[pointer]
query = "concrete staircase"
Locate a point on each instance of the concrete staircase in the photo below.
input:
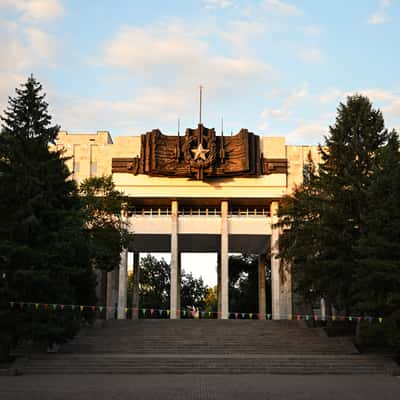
(206, 347)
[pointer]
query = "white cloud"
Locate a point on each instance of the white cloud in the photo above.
(178, 55)
(312, 29)
(297, 95)
(24, 50)
(240, 33)
(388, 101)
(218, 3)
(284, 112)
(35, 9)
(380, 95)
(380, 16)
(311, 56)
(308, 132)
(331, 95)
(43, 47)
(281, 7)
(393, 108)
(126, 115)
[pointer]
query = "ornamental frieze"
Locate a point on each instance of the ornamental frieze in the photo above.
(200, 154)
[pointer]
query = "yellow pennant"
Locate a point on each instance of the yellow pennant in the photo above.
(333, 317)
(81, 308)
(126, 309)
(168, 312)
(289, 317)
(380, 319)
(36, 306)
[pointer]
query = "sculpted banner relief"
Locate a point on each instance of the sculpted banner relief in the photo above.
(199, 154)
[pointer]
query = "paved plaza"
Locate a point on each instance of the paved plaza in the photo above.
(191, 387)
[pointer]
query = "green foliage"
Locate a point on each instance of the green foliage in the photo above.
(107, 232)
(302, 237)
(193, 292)
(154, 283)
(211, 300)
(243, 283)
(339, 235)
(43, 243)
(155, 286)
(377, 271)
(376, 334)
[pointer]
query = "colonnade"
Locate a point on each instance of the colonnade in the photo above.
(280, 279)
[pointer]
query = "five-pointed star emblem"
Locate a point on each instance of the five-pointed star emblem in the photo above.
(200, 152)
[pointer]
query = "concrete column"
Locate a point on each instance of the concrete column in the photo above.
(261, 286)
(115, 291)
(224, 261)
(109, 300)
(135, 285)
(275, 263)
(323, 309)
(174, 291)
(219, 299)
(112, 293)
(281, 284)
(123, 284)
(178, 289)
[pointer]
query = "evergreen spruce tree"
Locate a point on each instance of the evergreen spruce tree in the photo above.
(345, 176)
(327, 216)
(43, 246)
(376, 286)
(301, 241)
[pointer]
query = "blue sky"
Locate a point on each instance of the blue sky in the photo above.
(276, 67)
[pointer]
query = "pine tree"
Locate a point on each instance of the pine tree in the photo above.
(345, 176)
(326, 217)
(377, 275)
(43, 247)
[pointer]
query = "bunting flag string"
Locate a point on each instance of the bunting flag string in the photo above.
(155, 312)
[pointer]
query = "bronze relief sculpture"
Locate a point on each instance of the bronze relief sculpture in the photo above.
(200, 154)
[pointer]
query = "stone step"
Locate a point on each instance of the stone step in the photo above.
(205, 347)
(206, 364)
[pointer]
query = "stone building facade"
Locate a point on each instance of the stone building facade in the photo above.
(198, 192)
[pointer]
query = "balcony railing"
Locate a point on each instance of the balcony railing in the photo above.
(249, 212)
(149, 212)
(205, 212)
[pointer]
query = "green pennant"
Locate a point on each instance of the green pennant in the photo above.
(350, 318)
(54, 306)
(101, 308)
(143, 311)
(307, 317)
